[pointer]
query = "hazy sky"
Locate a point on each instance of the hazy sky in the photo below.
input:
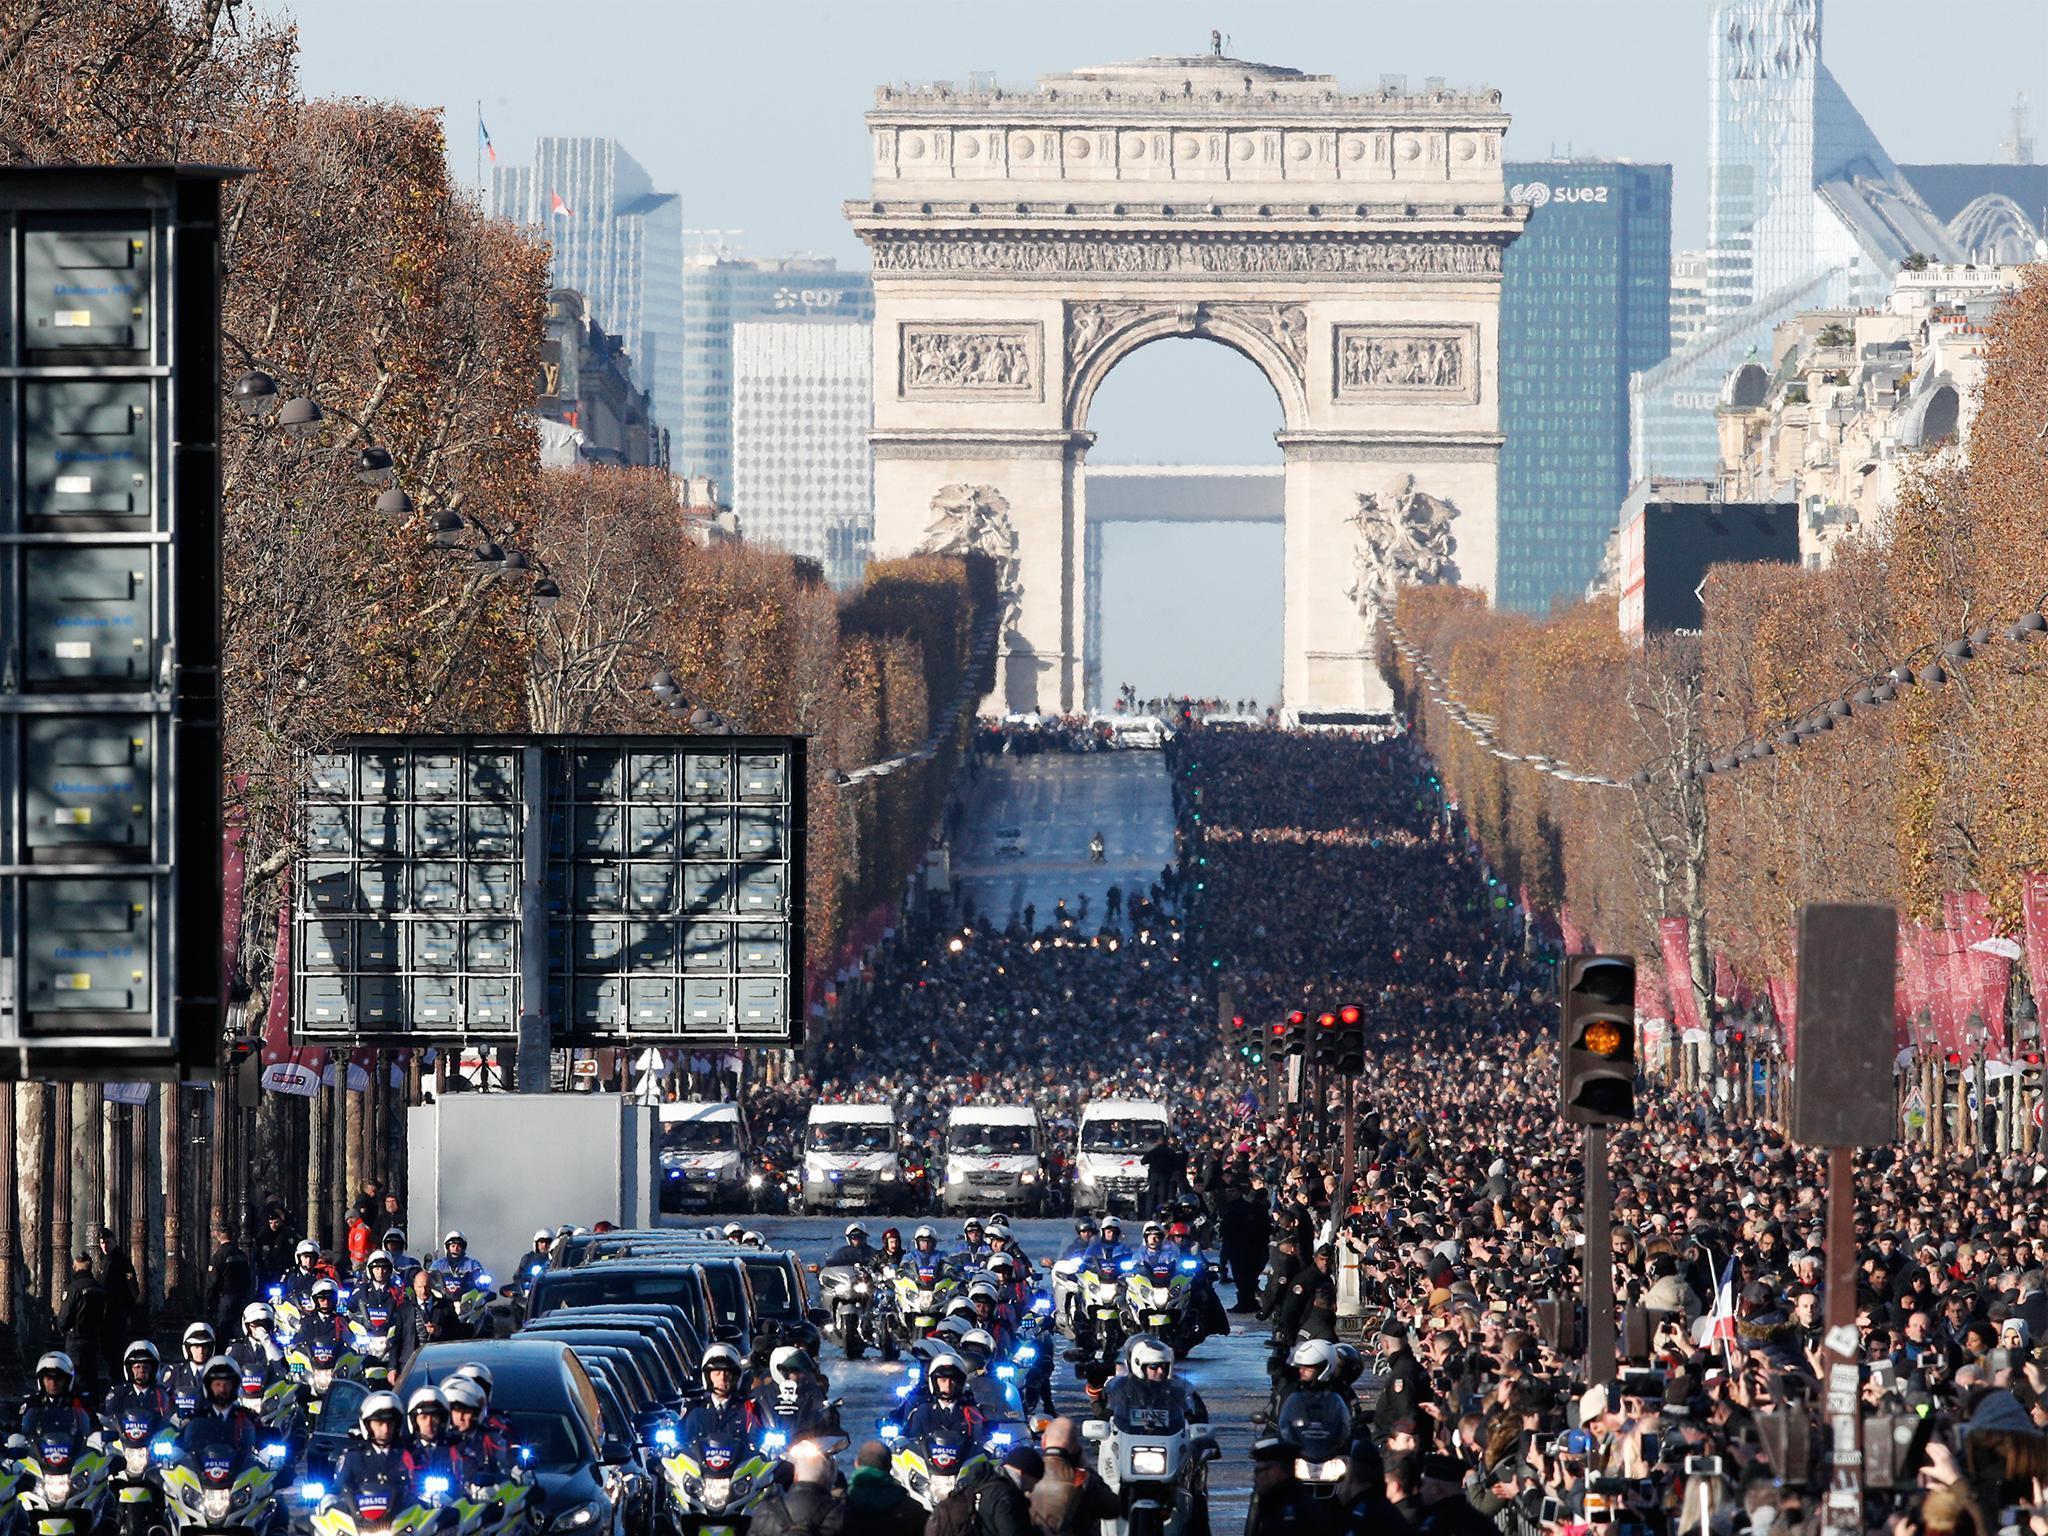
(751, 109)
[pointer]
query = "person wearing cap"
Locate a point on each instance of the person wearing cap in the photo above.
(1072, 1498)
(1308, 1310)
(1441, 1493)
(807, 1504)
(855, 1251)
(1405, 1392)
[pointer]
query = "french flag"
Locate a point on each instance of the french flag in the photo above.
(557, 207)
(1721, 1322)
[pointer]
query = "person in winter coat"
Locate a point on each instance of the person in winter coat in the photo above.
(876, 1504)
(807, 1505)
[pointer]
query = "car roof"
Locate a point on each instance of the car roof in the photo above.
(993, 1114)
(693, 1111)
(866, 1114)
(1129, 1108)
(620, 1334)
(524, 1373)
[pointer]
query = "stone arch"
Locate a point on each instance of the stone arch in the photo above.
(1272, 337)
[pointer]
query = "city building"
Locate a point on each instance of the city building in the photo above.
(1804, 210)
(802, 404)
(1688, 298)
(720, 290)
(1585, 302)
(614, 239)
(1671, 533)
(586, 386)
(1829, 420)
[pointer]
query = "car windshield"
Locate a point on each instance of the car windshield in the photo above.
(551, 1436)
(1120, 1135)
(772, 1295)
(851, 1136)
(726, 1297)
(1146, 1407)
(700, 1136)
(989, 1140)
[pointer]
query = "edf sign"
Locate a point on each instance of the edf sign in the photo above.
(110, 889)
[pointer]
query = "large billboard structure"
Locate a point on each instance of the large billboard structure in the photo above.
(110, 822)
(598, 890)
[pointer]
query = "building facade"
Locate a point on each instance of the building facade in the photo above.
(721, 291)
(586, 385)
(1688, 298)
(1585, 302)
(1847, 397)
(802, 470)
(1804, 210)
(615, 239)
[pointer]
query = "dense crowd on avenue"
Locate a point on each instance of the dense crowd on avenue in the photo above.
(1418, 1323)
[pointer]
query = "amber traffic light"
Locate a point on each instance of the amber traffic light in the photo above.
(1597, 1079)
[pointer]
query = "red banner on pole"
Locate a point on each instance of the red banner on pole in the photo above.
(1785, 1004)
(1576, 939)
(1675, 935)
(286, 1070)
(1987, 959)
(1939, 950)
(2034, 909)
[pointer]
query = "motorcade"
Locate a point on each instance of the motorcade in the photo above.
(1153, 1458)
(994, 1159)
(1111, 1143)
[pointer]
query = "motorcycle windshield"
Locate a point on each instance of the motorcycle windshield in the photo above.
(1147, 1407)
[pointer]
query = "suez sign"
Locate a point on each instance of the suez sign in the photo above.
(1539, 193)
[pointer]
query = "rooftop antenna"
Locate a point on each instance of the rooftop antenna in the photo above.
(2018, 147)
(713, 242)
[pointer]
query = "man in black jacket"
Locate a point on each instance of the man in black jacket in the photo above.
(230, 1284)
(807, 1505)
(1404, 1385)
(1245, 1232)
(83, 1322)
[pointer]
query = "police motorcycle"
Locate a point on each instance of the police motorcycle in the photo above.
(715, 1480)
(1151, 1454)
(219, 1489)
(463, 1284)
(389, 1506)
(930, 1454)
(62, 1482)
(924, 1284)
(373, 1332)
(318, 1359)
(1160, 1299)
(1098, 1321)
(854, 1297)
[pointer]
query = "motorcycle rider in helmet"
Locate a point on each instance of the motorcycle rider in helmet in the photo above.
(297, 1287)
(402, 1263)
(890, 1254)
(374, 1309)
(1001, 1240)
(722, 1413)
(855, 1250)
(220, 1419)
(182, 1379)
(1149, 1364)
(1108, 1248)
(535, 1263)
(924, 1245)
(140, 1390)
(487, 1459)
(455, 1271)
(54, 1406)
(973, 1247)
(376, 1453)
(1316, 1430)
(257, 1356)
(990, 1314)
(1085, 1237)
(944, 1405)
(790, 1400)
(430, 1451)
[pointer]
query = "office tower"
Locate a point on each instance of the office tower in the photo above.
(802, 471)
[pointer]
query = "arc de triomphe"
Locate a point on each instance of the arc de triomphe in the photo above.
(1349, 244)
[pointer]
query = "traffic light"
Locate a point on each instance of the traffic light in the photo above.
(1351, 1039)
(1295, 1033)
(1598, 1080)
(1326, 1039)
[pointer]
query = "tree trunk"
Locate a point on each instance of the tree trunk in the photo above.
(61, 1169)
(171, 1135)
(316, 1163)
(32, 1101)
(139, 1183)
(10, 1183)
(356, 1113)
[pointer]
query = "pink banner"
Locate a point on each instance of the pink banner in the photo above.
(286, 1070)
(1987, 965)
(1785, 1004)
(1918, 985)
(1576, 940)
(1939, 948)
(2034, 908)
(1675, 935)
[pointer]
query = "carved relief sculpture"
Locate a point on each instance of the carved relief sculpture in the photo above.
(1088, 324)
(1404, 538)
(972, 358)
(1376, 360)
(975, 519)
(1032, 255)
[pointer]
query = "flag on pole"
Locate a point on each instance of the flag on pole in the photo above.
(483, 139)
(1721, 1322)
(558, 207)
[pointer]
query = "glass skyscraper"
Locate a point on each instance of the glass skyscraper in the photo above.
(616, 241)
(718, 292)
(1804, 209)
(1585, 302)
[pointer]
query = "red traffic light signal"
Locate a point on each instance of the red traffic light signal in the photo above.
(1350, 1016)
(1326, 1021)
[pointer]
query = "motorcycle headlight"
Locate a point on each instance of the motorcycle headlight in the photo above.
(888, 1175)
(1330, 1471)
(1027, 1177)
(955, 1176)
(753, 1181)
(717, 1492)
(57, 1488)
(579, 1517)
(312, 1492)
(214, 1505)
(137, 1458)
(239, 1499)
(1148, 1460)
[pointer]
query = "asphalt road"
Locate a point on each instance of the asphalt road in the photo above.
(1057, 801)
(1230, 1373)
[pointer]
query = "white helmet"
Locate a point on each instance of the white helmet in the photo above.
(258, 1312)
(480, 1374)
(788, 1363)
(325, 1287)
(753, 1240)
(855, 1229)
(1316, 1353)
(924, 1232)
(978, 1345)
(721, 1354)
(425, 1399)
(1146, 1352)
(461, 1392)
(983, 1290)
(543, 1235)
(306, 1248)
(374, 1406)
(56, 1360)
(197, 1333)
(733, 1232)
(454, 1235)
(945, 1360)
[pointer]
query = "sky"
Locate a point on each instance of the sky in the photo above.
(751, 109)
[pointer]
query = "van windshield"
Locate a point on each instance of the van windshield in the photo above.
(700, 1136)
(1120, 1135)
(989, 1140)
(851, 1136)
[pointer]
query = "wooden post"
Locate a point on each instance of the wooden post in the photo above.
(217, 1164)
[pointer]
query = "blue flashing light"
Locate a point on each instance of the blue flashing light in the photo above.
(526, 1455)
(434, 1487)
(277, 1293)
(774, 1440)
(666, 1438)
(275, 1451)
(312, 1493)
(484, 1282)
(1042, 1306)
(888, 1431)
(1006, 1373)
(1026, 1353)
(999, 1441)
(163, 1447)
(1191, 1265)
(1128, 1265)
(906, 1389)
